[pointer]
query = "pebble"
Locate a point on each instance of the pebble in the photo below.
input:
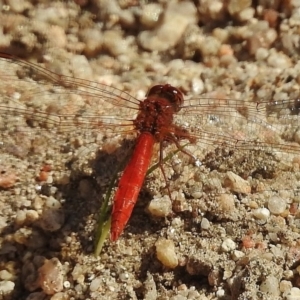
(225, 203)
(237, 6)
(150, 288)
(115, 43)
(95, 284)
(294, 294)
(262, 214)
(165, 252)
(279, 60)
(160, 207)
(205, 224)
(53, 216)
(150, 15)
(270, 286)
(50, 276)
(261, 54)
(51, 219)
(6, 287)
(5, 275)
(212, 10)
(236, 255)
(93, 41)
(220, 293)
(20, 217)
(8, 179)
(285, 286)
(228, 245)
(276, 205)
(236, 183)
(163, 37)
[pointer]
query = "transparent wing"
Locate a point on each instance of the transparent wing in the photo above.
(242, 125)
(58, 102)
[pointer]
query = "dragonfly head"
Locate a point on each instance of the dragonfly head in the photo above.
(167, 91)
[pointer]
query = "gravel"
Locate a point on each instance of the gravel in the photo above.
(232, 230)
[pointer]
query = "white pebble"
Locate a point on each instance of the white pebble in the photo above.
(67, 284)
(20, 217)
(204, 224)
(294, 294)
(165, 252)
(228, 245)
(261, 213)
(236, 255)
(52, 203)
(220, 293)
(160, 207)
(150, 14)
(270, 286)
(95, 284)
(6, 287)
(276, 205)
(285, 286)
(5, 275)
(261, 54)
(279, 60)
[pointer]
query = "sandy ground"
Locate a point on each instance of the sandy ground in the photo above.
(231, 230)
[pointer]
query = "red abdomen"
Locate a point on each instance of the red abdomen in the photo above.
(130, 184)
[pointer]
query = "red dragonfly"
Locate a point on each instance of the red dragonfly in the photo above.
(163, 116)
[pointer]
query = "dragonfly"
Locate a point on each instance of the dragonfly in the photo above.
(42, 99)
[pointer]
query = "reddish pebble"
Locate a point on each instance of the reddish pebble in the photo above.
(43, 176)
(51, 276)
(248, 242)
(294, 208)
(7, 180)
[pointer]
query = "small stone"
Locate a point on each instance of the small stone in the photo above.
(270, 286)
(205, 224)
(285, 286)
(150, 14)
(20, 217)
(279, 60)
(236, 6)
(7, 179)
(6, 287)
(294, 294)
(178, 15)
(52, 219)
(276, 205)
(95, 284)
(261, 54)
(150, 288)
(225, 203)
(262, 214)
(220, 293)
(165, 252)
(236, 255)
(160, 207)
(31, 216)
(50, 276)
(228, 245)
(5, 275)
(236, 183)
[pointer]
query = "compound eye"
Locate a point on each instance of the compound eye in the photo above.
(169, 92)
(155, 90)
